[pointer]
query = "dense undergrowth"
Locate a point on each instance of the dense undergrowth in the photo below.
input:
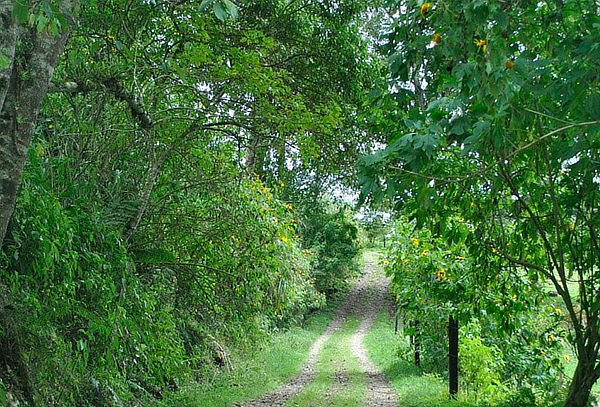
(511, 353)
(255, 370)
(89, 319)
(160, 226)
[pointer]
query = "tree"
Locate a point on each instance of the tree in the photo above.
(31, 42)
(140, 229)
(499, 122)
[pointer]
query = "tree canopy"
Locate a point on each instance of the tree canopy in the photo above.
(492, 114)
(168, 172)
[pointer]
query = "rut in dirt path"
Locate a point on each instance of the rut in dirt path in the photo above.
(379, 389)
(364, 301)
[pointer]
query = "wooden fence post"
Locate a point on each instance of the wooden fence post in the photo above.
(452, 356)
(417, 344)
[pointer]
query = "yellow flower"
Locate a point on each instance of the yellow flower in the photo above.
(482, 44)
(305, 251)
(550, 338)
(424, 253)
(264, 188)
(425, 8)
(289, 206)
(436, 38)
(441, 275)
(558, 311)
(386, 262)
(495, 251)
(281, 183)
(414, 241)
(460, 258)
(284, 239)
(566, 358)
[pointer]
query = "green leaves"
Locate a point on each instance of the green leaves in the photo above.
(502, 124)
(222, 9)
(4, 61)
(21, 11)
(479, 129)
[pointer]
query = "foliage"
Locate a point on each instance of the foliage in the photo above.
(91, 320)
(141, 250)
(374, 226)
(143, 247)
(330, 235)
(258, 370)
(79, 316)
(481, 365)
(433, 279)
(489, 118)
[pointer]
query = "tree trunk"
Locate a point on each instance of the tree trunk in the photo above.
(586, 374)
(23, 85)
(146, 192)
(452, 356)
(8, 42)
(255, 155)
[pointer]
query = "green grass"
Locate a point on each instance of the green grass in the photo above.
(414, 388)
(257, 372)
(335, 357)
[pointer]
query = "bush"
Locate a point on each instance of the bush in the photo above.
(330, 234)
(506, 345)
(481, 365)
(86, 319)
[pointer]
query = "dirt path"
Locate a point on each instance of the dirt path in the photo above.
(379, 390)
(364, 301)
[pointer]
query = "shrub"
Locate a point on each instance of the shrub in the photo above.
(329, 232)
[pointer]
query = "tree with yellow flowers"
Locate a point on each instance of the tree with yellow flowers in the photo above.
(500, 123)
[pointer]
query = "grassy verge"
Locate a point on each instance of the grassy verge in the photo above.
(335, 361)
(257, 372)
(414, 389)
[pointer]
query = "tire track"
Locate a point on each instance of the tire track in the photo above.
(365, 300)
(379, 390)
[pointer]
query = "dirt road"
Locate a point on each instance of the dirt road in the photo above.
(364, 301)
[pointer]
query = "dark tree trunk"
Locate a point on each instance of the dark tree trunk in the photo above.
(23, 85)
(255, 155)
(452, 356)
(586, 374)
(8, 42)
